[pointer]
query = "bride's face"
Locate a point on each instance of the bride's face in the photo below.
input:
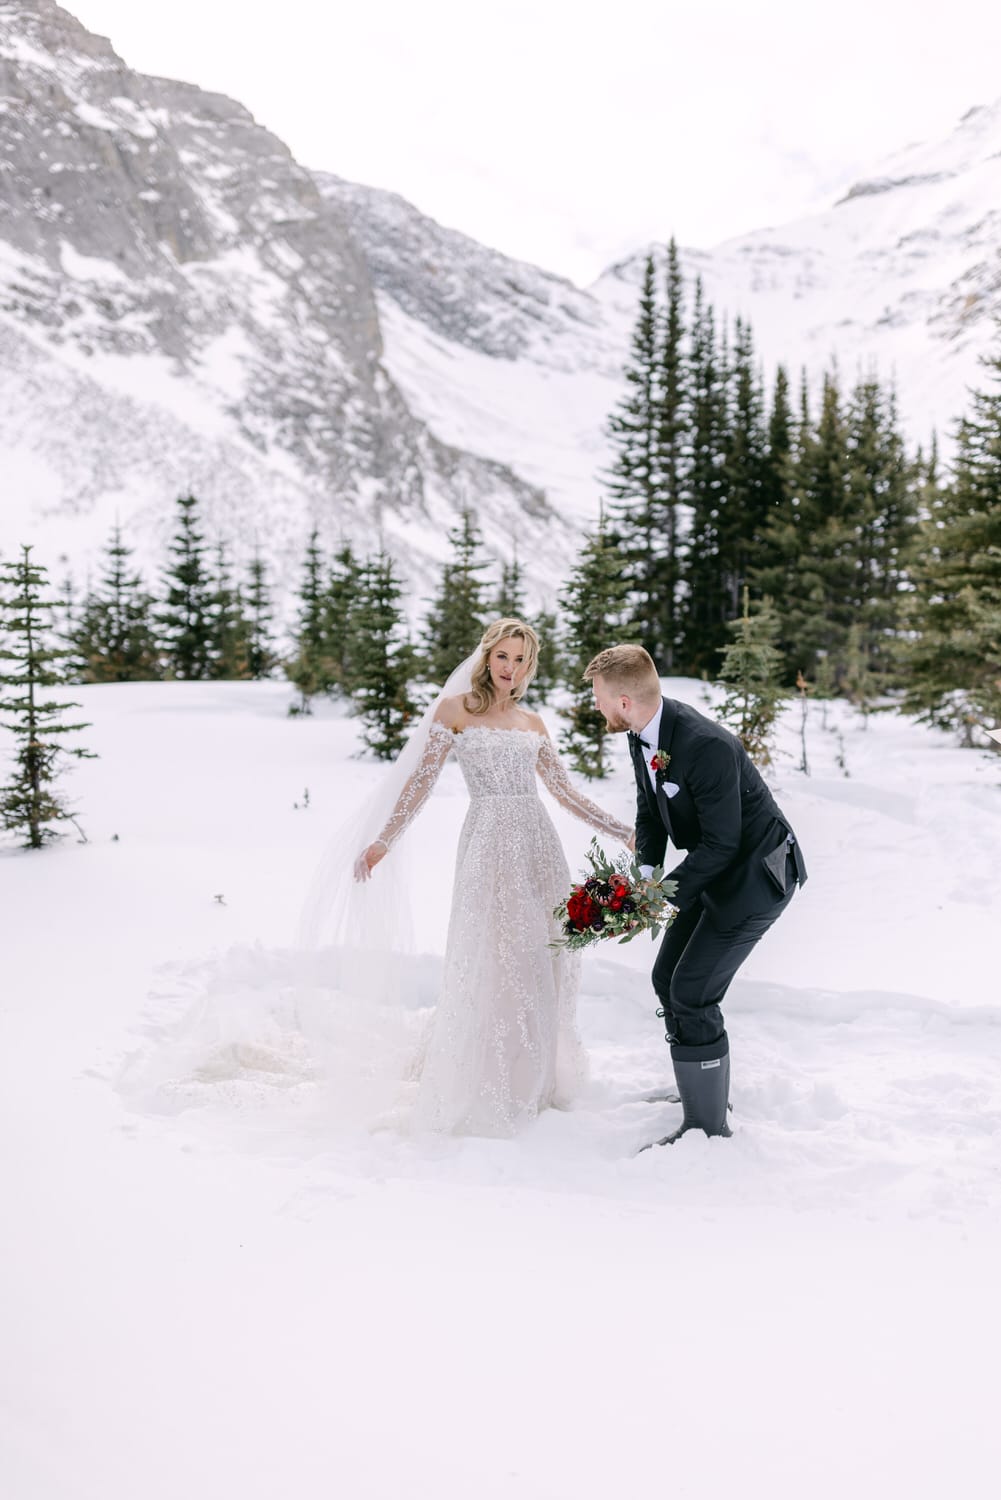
(508, 665)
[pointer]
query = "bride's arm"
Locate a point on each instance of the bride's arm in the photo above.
(410, 801)
(555, 778)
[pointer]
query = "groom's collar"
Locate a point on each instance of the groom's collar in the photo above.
(651, 732)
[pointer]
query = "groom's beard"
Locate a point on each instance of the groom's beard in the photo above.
(616, 723)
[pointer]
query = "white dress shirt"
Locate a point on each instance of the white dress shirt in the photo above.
(652, 735)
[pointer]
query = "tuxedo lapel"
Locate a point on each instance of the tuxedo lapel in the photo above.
(665, 739)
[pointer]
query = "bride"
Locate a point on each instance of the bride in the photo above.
(503, 1043)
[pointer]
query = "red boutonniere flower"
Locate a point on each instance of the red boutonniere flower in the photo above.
(659, 762)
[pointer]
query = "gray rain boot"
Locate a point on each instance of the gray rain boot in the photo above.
(703, 1078)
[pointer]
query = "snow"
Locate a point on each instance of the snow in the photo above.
(89, 267)
(228, 1285)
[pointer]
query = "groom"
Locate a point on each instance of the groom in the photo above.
(696, 785)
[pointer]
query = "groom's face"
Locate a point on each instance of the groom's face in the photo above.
(614, 706)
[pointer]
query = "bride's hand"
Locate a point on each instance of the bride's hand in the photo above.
(368, 859)
(631, 843)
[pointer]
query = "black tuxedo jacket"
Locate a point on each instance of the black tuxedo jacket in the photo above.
(722, 813)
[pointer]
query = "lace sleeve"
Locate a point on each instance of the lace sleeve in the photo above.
(555, 779)
(419, 786)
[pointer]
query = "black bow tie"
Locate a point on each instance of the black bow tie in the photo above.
(644, 743)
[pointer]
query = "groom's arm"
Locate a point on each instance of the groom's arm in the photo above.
(713, 782)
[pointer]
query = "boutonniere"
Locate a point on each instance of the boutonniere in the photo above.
(659, 762)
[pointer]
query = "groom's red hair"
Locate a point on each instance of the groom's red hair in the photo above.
(626, 669)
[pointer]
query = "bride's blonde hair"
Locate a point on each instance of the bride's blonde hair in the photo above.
(481, 694)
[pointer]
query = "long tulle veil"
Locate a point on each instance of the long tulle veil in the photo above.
(365, 928)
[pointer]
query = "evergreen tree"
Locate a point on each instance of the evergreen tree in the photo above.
(186, 619)
(114, 636)
(955, 658)
(881, 515)
(339, 625)
(385, 660)
(706, 602)
(312, 669)
(455, 619)
(672, 432)
(634, 480)
(744, 500)
(510, 601)
(752, 673)
(229, 628)
(593, 603)
(30, 803)
(262, 658)
(549, 671)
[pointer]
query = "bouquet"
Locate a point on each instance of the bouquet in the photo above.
(614, 901)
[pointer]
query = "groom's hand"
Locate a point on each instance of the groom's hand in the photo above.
(631, 842)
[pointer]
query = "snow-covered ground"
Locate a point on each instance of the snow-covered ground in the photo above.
(217, 1283)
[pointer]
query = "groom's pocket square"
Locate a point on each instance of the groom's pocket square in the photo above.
(670, 788)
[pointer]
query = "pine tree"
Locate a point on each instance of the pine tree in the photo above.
(706, 602)
(185, 621)
(955, 659)
(744, 500)
(752, 673)
(634, 480)
(311, 669)
(549, 670)
(593, 604)
(339, 625)
(229, 628)
(510, 600)
(672, 432)
(114, 636)
(881, 514)
(385, 660)
(262, 657)
(30, 803)
(455, 619)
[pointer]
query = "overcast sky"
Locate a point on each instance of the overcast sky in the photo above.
(568, 132)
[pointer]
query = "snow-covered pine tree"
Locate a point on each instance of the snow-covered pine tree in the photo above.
(751, 672)
(30, 802)
(455, 619)
(311, 668)
(384, 659)
(262, 657)
(954, 661)
(114, 636)
(229, 628)
(185, 619)
(593, 601)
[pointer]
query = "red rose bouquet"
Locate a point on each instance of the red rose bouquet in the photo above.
(614, 901)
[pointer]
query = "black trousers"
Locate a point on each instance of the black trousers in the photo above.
(695, 965)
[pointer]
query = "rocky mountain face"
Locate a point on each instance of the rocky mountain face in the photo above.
(181, 307)
(185, 307)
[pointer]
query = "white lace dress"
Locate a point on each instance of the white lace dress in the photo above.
(503, 1043)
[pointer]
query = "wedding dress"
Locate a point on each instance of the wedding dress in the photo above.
(503, 1043)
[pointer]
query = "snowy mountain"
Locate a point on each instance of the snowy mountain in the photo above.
(184, 306)
(903, 273)
(181, 308)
